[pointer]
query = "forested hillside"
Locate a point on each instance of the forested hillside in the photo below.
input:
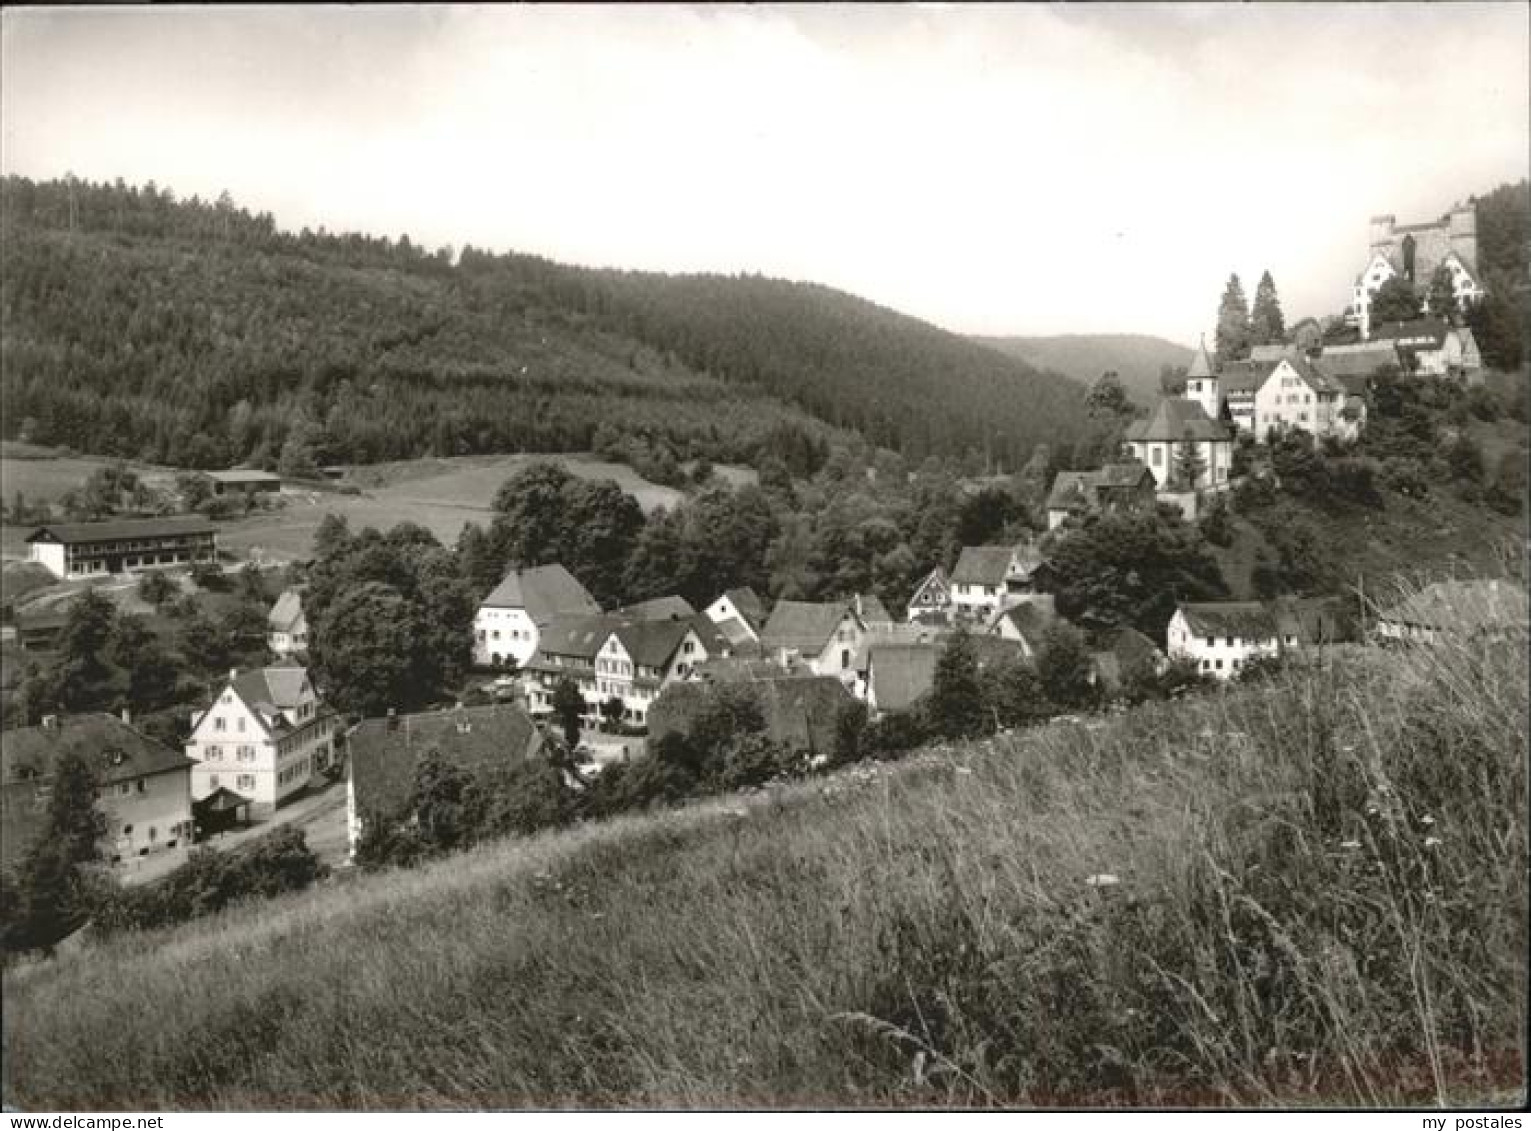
(197, 334)
(1136, 358)
(1504, 261)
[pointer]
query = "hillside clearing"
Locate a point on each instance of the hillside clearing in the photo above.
(1308, 892)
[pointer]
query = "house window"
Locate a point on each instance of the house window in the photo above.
(1229, 641)
(127, 830)
(240, 724)
(212, 781)
(124, 788)
(214, 753)
(1158, 454)
(1218, 664)
(245, 781)
(141, 785)
(220, 723)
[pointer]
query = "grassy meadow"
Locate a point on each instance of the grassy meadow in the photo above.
(1311, 891)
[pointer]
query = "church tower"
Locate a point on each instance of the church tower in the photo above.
(1201, 384)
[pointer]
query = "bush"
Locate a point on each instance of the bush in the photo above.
(898, 733)
(209, 576)
(1408, 477)
(1216, 522)
(753, 760)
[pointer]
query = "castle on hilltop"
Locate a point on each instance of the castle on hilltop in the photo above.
(1414, 252)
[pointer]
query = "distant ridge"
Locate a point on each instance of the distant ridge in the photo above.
(1137, 358)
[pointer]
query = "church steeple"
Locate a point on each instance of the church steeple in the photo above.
(1201, 384)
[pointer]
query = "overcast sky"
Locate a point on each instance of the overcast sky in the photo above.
(993, 169)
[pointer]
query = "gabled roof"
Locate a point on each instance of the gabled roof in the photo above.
(122, 528)
(803, 625)
(870, 608)
(900, 673)
(1463, 606)
(651, 644)
(1129, 473)
(1030, 619)
(1359, 359)
(384, 752)
(1077, 490)
(1249, 620)
(982, 565)
(1246, 376)
(745, 601)
(580, 637)
(736, 633)
(545, 592)
(1129, 646)
(935, 579)
(287, 612)
(1071, 491)
(1175, 418)
(1315, 378)
(660, 608)
(913, 632)
(748, 669)
(280, 686)
(116, 750)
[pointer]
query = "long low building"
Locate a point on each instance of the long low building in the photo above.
(72, 550)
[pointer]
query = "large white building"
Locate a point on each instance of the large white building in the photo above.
(264, 737)
(825, 636)
(1296, 394)
(1178, 423)
(1222, 636)
(73, 550)
(509, 622)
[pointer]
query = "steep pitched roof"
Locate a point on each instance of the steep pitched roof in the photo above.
(1244, 377)
(385, 752)
(287, 612)
(913, 632)
(1317, 380)
(651, 644)
(121, 528)
(1030, 619)
(280, 686)
(1360, 359)
(1201, 362)
(1071, 491)
(580, 637)
(736, 633)
(870, 608)
(1174, 418)
(660, 608)
(545, 592)
(1129, 646)
(900, 673)
(982, 565)
(1249, 620)
(113, 748)
(803, 625)
(1463, 606)
(746, 602)
(1129, 473)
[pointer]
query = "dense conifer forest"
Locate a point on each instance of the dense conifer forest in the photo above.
(197, 334)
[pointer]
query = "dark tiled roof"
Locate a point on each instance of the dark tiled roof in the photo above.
(1130, 473)
(115, 749)
(736, 633)
(745, 600)
(1245, 376)
(1249, 620)
(281, 686)
(651, 644)
(384, 753)
(1031, 619)
(660, 608)
(982, 565)
(1360, 360)
(871, 609)
(900, 673)
(121, 529)
(804, 625)
(747, 669)
(545, 592)
(579, 636)
(1318, 380)
(1077, 490)
(1173, 418)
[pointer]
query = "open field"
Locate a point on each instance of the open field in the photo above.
(1310, 892)
(440, 494)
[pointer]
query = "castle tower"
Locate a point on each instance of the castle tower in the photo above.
(1201, 384)
(1381, 232)
(1462, 228)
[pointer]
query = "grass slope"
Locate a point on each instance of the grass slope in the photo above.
(1320, 898)
(1136, 358)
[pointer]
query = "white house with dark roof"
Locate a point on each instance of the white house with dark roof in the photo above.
(738, 616)
(264, 737)
(609, 657)
(1433, 347)
(509, 622)
(931, 601)
(143, 786)
(824, 635)
(71, 550)
(1222, 636)
(1179, 421)
(987, 578)
(287, 627)
(1296, 394)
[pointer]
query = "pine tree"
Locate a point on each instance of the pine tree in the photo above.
(1189, 464)
(1443, 294)
(1266, 324)
(956, 699)
(52, 892)
(1232, 323)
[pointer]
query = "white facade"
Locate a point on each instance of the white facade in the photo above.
(1288, 400)
(1159, 456)
(723, 609)
(503, 634)
(838, 655)
(977, 602)
(1205, 392)
(1379, 271)
(263, 757)
(1218, 656)
(146, 814)
(51, 556)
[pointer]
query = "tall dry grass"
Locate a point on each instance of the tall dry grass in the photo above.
(1319, 896)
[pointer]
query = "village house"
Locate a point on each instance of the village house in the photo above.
(659, 608)
(243, 481)
(72, 550)
(609, 657)
(1124, 653)
(263, 738)
(988, 578)
(1178, 422)
(738, 615)
(873, 613)
(1222, 636)
(143, 787)
(825, 636)
(1025, 624)
(1239, 381)
(879, 636)
(509, 622)
(1457, 610)
(1434, 347)
(899, 675)
(386, 752)
(1114, 487)
(932, 599)
(287, 627)
(1297, 395)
